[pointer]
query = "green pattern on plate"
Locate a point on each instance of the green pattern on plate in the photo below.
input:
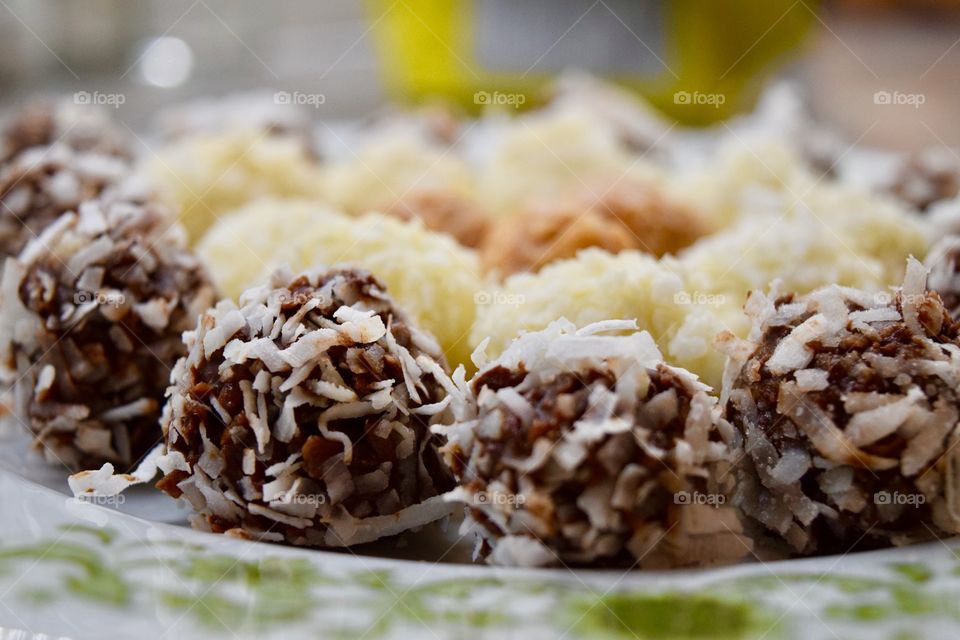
(226, 593)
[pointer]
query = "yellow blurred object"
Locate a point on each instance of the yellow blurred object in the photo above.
(698, 60)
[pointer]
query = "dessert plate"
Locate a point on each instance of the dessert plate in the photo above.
(131, 567)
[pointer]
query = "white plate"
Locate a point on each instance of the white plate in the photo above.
(135, 570)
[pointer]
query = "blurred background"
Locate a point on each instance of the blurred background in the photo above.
(893, 63)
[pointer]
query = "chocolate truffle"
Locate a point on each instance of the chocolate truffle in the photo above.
(41, 183)
(90, 324)
(80, 127)
(303, 415)
(589, 449)
(927, 177)
(846, 402)
(944, 264)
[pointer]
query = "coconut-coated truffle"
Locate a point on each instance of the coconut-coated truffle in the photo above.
(90, 323)
(82, 128)
(583, 448)
(846, 402)
(944, 264)
(41, 183)
(303, 415)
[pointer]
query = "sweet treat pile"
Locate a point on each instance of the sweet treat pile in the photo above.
(589, 449)
(847, 404)
(90, 324)
(303, 415)
(320, 411)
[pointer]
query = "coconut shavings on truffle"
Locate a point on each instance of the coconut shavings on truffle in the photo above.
(303, 415)
(847, 405)
(589, 449)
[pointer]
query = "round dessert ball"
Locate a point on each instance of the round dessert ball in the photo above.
(927, 177)
(79, 127)
(41, 183)
(90, 324)
(446, 212)
(846, 402)
(629, 214)
(944, 264)
(589, 449)
(304, 415)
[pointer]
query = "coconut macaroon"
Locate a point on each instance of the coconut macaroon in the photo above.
(627, 214)
(90, 327)
(434, 278)
(597, 285)
(445, 212)
(589, 449)
(403, 174)
(303, 415)
(205, 176)
(847, 404)
(43, 182)
(271, 112)
(550, 153)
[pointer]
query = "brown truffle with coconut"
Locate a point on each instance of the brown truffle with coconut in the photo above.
(585, 448)
(943, 261)
(303, 415)
(80, 127)
(42, 183)
(847, 404)
(90, 323)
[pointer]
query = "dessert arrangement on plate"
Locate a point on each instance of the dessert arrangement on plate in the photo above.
(585, 336)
